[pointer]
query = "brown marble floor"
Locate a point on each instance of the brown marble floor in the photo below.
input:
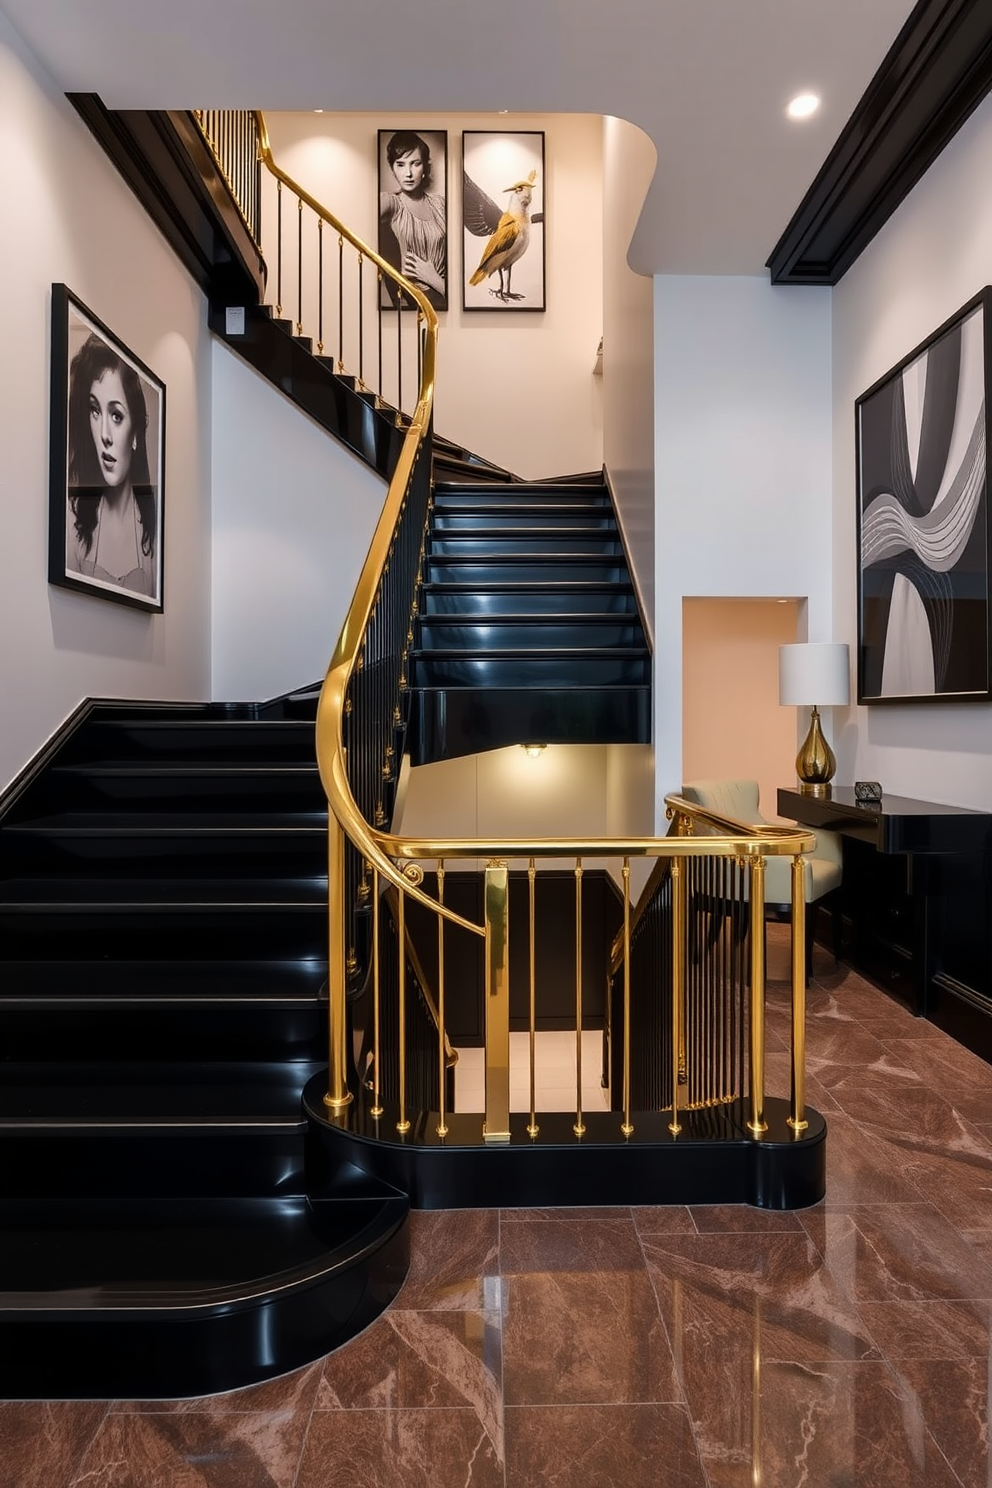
(689, 1348)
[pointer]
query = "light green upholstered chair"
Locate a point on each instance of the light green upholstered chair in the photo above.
(739, 799)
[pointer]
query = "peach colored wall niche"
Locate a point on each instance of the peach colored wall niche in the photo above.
(732, 722)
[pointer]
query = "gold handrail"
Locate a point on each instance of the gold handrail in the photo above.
(394, 858)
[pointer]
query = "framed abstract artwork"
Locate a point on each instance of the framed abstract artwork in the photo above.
(923, 520)
(107, 462)
(503, 221)
(413, 212)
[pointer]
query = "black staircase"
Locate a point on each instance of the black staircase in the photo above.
(163, 913)
(529, 628)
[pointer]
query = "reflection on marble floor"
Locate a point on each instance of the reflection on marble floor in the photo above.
(689, 1348)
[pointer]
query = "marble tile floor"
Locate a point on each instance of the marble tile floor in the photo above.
(844, 1346)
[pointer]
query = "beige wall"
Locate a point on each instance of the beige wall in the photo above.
(516, 388)
(503, 793)
(733, 725)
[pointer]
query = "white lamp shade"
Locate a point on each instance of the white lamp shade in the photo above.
(814, 674)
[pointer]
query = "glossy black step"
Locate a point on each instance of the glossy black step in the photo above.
(148, 843)
(219, 786)
(534, 515)
(449, 722)
(448, 495)
(137, 917)
(561, 545)
(116, 1299)
(483, 571)
(191, 740)
(530, 597)
(483, 632)
(531, 668)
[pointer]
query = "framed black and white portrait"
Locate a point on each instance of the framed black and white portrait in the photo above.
(923, 523)
(503, 221)
(413, 212)
(107, 463)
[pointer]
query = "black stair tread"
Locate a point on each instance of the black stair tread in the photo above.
(528, 653)
(514, 490)
(479, 508)
(93, 1255)
(168, 770)
(135, 1093)
(525, 533)
(173, 823)
(62, 894)
(199, 982)
(590, 618)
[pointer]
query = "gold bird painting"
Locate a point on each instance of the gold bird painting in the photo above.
(509, 232)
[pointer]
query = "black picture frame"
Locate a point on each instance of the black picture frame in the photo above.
(503, 191)
(923, 521)
(94, 429)
(413, 222)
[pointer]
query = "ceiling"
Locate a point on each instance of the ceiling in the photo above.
(708, 81)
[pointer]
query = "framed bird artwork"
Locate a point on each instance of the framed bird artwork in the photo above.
(503, 181)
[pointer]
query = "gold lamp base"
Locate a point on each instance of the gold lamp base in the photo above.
(815, 762)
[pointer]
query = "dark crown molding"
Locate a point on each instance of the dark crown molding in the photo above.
(934, 76)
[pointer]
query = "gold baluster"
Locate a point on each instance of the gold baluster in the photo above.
(627, 1125)
(496, 1127)
(797, 1104)
(403, 1124)
(377, 1106)
(678, 985)
(532, 1128)
(338, 1095)
(757, 1123)
(579, 1126)
(442, 1127)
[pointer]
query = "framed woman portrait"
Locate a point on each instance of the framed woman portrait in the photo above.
(107, 462)
(413, 213)
(503, 182)
(923, 520)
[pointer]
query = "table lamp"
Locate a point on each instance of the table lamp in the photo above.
(812, 675)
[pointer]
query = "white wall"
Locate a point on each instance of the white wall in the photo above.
(629, 160)
(742, 464)
(932, 256)
(516, 388)
(68, 217)
(293, 515)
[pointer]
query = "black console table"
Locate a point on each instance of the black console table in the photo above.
(914, 900)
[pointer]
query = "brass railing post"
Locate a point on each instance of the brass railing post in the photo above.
(338, 1095)
(578, 1126)
(756, 1122)
(797, 1104)
(532, 1126)
(496, 1127)
(678, 986)
(626, 1126)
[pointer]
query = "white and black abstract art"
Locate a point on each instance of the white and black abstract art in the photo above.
(923, 528)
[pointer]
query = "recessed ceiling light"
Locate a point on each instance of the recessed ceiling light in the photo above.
(803, 105)
(318, 111)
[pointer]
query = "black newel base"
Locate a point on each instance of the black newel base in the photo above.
(714, 1159)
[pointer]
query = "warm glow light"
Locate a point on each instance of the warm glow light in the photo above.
(803, 105)
(533, 751)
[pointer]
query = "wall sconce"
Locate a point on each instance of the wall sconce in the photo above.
(533, 751)
(809, 675)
